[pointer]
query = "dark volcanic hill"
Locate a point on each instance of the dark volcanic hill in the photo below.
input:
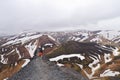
(93, 60)
(39, 69)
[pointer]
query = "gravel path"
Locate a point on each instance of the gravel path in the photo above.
(39, 69)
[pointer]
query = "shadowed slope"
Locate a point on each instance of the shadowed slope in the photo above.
(86, 49)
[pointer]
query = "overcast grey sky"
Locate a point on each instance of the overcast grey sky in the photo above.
(52, 15)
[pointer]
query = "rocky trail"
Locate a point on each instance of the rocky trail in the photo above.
(39, 69)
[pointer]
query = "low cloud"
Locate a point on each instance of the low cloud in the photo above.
(49, 15)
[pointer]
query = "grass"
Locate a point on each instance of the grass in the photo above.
(7, 71)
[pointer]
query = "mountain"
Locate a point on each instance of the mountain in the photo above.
(99, 36)
(95, 61)
(40, 69)
(17, 51)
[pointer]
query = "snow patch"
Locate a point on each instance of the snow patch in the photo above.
(109, 73)
(48, 44)
(107, 58)
(22, 40)
(4, 61)
(85, 36)
(11, 51)
(31, 48)
(18, 53)
(26, 62)
(2, 49)
(81, 66)
(16, 64)
(96, 39)
(67, 56)
(51, 37)
(115, 52)
(60, 65)
(96, 61)
(5, 79)
(76, 39)
(109, 34)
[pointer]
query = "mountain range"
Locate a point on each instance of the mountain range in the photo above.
(94, 54)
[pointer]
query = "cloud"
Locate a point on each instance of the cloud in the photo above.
(48, 15)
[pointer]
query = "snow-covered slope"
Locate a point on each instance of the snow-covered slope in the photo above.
(99, 36)
(109, 34)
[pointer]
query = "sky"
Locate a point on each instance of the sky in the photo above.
(58, 15)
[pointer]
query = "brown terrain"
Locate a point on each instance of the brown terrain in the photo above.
(15, 55)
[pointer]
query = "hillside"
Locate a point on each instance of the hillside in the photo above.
(17, 51)
(92, 60)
